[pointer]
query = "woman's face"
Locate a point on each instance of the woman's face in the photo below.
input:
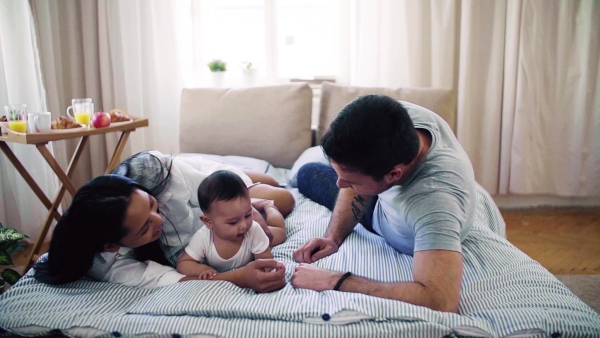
(142, 220)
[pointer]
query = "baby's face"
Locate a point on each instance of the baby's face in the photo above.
(231, 220)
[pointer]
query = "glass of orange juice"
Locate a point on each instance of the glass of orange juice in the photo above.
(17, 118)
(82, 110)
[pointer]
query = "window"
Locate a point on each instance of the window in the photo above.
(283, 39)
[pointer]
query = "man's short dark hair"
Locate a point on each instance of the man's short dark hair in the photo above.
(371, 135)
(222, 185)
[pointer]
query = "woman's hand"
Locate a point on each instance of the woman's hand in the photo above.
(315, 249)
(262, 275)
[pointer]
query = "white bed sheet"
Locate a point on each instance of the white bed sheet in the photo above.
(505, 294)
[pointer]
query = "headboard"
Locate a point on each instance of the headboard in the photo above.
(272, 123)
(334, 97)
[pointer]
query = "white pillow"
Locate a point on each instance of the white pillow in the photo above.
(313, 154)
(246, 164)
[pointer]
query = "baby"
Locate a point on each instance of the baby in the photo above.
(230, 238)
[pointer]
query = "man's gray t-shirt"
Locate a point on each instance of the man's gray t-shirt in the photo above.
(434, 208)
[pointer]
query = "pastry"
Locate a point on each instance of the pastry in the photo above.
(117, 116)
(64, 122)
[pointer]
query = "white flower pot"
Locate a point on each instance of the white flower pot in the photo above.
(218, 79)
(250, 76)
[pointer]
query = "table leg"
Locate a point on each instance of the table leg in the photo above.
(64, 177)
(30, 181)
(66, 181)
(114, 161)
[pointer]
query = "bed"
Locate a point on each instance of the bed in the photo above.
(505, 293)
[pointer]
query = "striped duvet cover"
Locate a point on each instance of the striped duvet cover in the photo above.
(505, 294)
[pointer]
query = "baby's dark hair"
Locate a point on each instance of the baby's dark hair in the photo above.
(222, 185)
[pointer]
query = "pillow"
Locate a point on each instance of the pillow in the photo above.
(272, 123)
(334, 97)
(246, 164)
(242, 162)
(313, 154)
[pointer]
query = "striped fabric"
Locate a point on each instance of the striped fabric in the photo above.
(505, 293)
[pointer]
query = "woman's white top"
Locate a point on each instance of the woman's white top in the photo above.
(179, 203)
(120, 267)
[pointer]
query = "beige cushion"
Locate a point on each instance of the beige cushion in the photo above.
(271, 123)
(334, 97)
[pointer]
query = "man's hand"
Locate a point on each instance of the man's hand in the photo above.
(263, 275)
(315, 249)
(308, 276)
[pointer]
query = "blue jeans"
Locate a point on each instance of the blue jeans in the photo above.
(317, 181)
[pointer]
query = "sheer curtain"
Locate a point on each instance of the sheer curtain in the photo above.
(72, 50)
(525, 74)
(144, 41)
(21, 82)
(122, 54)
(555, 132)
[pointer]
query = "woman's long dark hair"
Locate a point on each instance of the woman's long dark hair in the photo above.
(96, 217)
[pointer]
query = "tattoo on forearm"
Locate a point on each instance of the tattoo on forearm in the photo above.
(358, 207)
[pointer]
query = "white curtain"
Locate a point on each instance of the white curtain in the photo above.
(21, 82)
(555, 134)
(144, 40)
(526, 75)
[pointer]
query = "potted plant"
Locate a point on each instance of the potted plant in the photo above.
(218, 69)
(249, 73)
(10, 242)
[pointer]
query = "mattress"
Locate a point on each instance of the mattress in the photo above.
(505, 294)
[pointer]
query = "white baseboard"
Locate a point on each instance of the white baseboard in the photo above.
(524, 202)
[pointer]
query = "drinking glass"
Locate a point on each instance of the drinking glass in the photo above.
(82, 110)
(17, 118)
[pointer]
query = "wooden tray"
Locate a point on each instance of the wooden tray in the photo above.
(61, 134)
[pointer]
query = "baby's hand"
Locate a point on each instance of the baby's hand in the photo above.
(207, 274)
(275, 269)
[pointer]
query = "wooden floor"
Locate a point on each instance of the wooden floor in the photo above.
(564, 241)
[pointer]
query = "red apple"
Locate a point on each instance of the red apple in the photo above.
(101, 119)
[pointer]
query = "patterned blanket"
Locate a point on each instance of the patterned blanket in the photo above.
(505, 293)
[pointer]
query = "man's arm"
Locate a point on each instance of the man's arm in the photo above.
(349, 208)
(437, 279)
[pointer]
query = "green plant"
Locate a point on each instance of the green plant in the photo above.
(217, 66)
(247, 65)
(10, 242)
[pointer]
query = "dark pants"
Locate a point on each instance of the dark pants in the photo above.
(317, 181)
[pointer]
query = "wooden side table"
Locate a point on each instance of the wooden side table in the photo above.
(40, 141)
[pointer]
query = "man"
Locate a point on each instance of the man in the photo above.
(401, 172)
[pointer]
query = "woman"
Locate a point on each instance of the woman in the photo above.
(130, 227)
